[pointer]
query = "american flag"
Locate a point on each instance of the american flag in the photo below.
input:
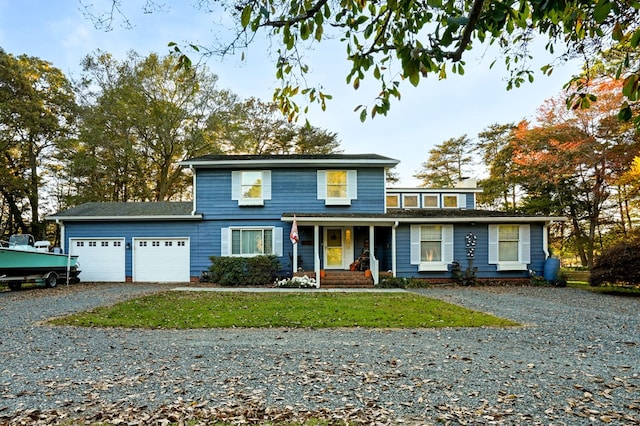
(293, 236)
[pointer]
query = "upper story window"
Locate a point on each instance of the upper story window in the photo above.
(450, 201)
(510, 247)
(251, 241)
(251, 187)
(393, 201)
(337, 187)
(432, 247)
(430, 201)
(410, 201)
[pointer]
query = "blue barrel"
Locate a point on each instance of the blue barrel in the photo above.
(551, 268)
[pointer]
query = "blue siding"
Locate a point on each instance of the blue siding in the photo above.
(292, 190)
(130, 230)
(481, 258)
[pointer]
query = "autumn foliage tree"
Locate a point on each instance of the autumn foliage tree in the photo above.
(571, 163)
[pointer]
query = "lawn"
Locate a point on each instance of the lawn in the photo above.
(611, 290)
(199, 310)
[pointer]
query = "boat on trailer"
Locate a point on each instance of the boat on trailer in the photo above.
(22, 259)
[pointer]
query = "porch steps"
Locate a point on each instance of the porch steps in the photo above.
(346, 279)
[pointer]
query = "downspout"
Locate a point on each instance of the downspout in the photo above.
(62, 235)
(393, 248)
(545, 238)
(194, 192)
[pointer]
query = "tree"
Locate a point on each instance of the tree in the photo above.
(446, 163)
(37, 112)
(140, 117)
(403, 40)
(570, 163)
(500, 188)
(257, 127)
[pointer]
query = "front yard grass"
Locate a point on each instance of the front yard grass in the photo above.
(200, 310)
(611, 290)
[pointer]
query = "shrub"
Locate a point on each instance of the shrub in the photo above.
(227, 271)
(402, 282)
(234, 271)
(261, 269)
(619, 264)
(466, 277)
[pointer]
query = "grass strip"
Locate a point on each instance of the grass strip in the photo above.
(610, 290)
(200, 310)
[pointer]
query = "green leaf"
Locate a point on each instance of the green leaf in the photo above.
(625, 113)
(414, 78)
(246, 16)
(635, 38)
(363, 115)
(601, 11)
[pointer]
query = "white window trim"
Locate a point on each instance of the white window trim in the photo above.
(447, 250)
(424, 205)
(225, 240)
(352, 189)
(524, 249)
(236, 188)
(417, 206)
(459, 201)
(397, 197)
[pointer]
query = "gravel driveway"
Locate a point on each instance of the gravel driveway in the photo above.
(576, 361)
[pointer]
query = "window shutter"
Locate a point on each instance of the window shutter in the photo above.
(225, 249)
(277, 241)
(415, 244)
(266, 184)
(447, 244)
(322, 184)
(235, 185)
(352, 184)
(462, 201)
(493, 244)
(524, 242)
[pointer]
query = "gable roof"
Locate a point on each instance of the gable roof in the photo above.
(161, 210)
(291, 160)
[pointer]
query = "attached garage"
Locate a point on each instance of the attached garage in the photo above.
(101, 259)
(161, 259)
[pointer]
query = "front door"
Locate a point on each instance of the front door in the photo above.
(334, 249)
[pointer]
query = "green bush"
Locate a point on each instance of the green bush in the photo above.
(227, 271)
(619, 264)
(237, 271)
(260, 270)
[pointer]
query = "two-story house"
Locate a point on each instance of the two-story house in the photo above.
(246, 205)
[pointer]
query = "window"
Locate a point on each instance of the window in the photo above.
(410, 201)
(430, 201)
(432, 247)
(509, 247)
(337, 187)
(450, 201)
(251, 241)
(393, 201)
(251, 187)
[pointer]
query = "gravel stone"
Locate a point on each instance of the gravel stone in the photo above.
(575, 360)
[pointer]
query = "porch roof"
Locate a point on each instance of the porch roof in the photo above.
(420, 216)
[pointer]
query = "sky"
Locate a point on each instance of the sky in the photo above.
(58, 31)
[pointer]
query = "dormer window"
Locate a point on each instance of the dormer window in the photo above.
(337, 187)
(251, 187)
(430, 201)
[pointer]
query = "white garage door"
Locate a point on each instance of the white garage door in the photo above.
(161, 259)
(101, 259)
